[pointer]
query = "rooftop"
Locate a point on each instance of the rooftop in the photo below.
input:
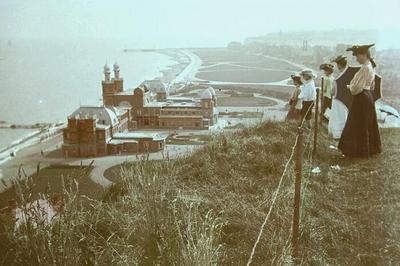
(104, 115)
(138, 135)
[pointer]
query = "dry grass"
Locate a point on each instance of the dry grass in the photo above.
(207, 208)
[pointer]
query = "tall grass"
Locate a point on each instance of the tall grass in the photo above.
(206, 209)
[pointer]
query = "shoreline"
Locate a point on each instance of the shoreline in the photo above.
(8, 152)
(34, 139)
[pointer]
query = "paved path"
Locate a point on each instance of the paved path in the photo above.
(101, 164)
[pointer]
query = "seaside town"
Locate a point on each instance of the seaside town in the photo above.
(270, 149)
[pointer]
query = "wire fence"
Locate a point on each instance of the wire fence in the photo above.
(310, 151)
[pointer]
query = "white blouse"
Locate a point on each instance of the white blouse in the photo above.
(363, 79)
(308, 92)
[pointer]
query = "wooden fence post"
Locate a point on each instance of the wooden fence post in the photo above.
(323, 107)
(316, 123)
(297, 192)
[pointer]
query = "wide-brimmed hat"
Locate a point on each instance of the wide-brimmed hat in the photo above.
(326, 67)
(308, 72)
(339, 58)
(296, 77)
(359, 49)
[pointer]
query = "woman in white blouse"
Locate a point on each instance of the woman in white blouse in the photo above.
(360, 136)
(307, 96)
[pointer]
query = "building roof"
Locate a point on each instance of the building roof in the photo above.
(211, 89)
(121, 141)
(138, 135)
(180, 99)
(179, 116)
(206, 94)
(155, 85)
(104, 115)
(181, 104)
(103, 127)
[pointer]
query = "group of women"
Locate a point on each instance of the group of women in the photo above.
(358, 129)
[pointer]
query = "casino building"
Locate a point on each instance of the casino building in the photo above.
(110, 129)
(151, 106)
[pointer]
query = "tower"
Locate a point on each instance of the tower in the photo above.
(107, 86)
(214, 98)
(116, 70)
(207, 104)
(107, 73)
(118, 81)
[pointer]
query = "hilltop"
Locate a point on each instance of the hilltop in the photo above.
(207, 208)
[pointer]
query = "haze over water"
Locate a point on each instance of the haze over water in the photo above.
(44, 82)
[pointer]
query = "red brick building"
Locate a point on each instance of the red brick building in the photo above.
(153, 107)
(99, 131)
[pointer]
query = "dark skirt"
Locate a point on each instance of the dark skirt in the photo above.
(306, 111)
(360, 136)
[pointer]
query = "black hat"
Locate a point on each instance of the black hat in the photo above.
(326, 67)
(358, 49)
(339, 59)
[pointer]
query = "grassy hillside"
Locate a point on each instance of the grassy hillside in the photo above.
(207, 209)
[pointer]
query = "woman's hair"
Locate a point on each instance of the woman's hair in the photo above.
(342, 62)
(368, 54)
(371, 59)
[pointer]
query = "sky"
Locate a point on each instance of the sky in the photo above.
(189, 23)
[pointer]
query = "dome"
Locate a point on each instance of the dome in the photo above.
(156, 86)
(106, 68)
(211, 89)
(116, 66)
(104, 115)
(206, 94)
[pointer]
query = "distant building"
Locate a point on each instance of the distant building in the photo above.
(151, 106)
(99, 131)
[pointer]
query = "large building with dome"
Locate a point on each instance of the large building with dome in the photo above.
(111, 128)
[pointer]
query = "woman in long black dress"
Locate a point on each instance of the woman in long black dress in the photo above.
(360, 137)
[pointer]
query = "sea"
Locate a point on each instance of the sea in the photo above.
(42, 81)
